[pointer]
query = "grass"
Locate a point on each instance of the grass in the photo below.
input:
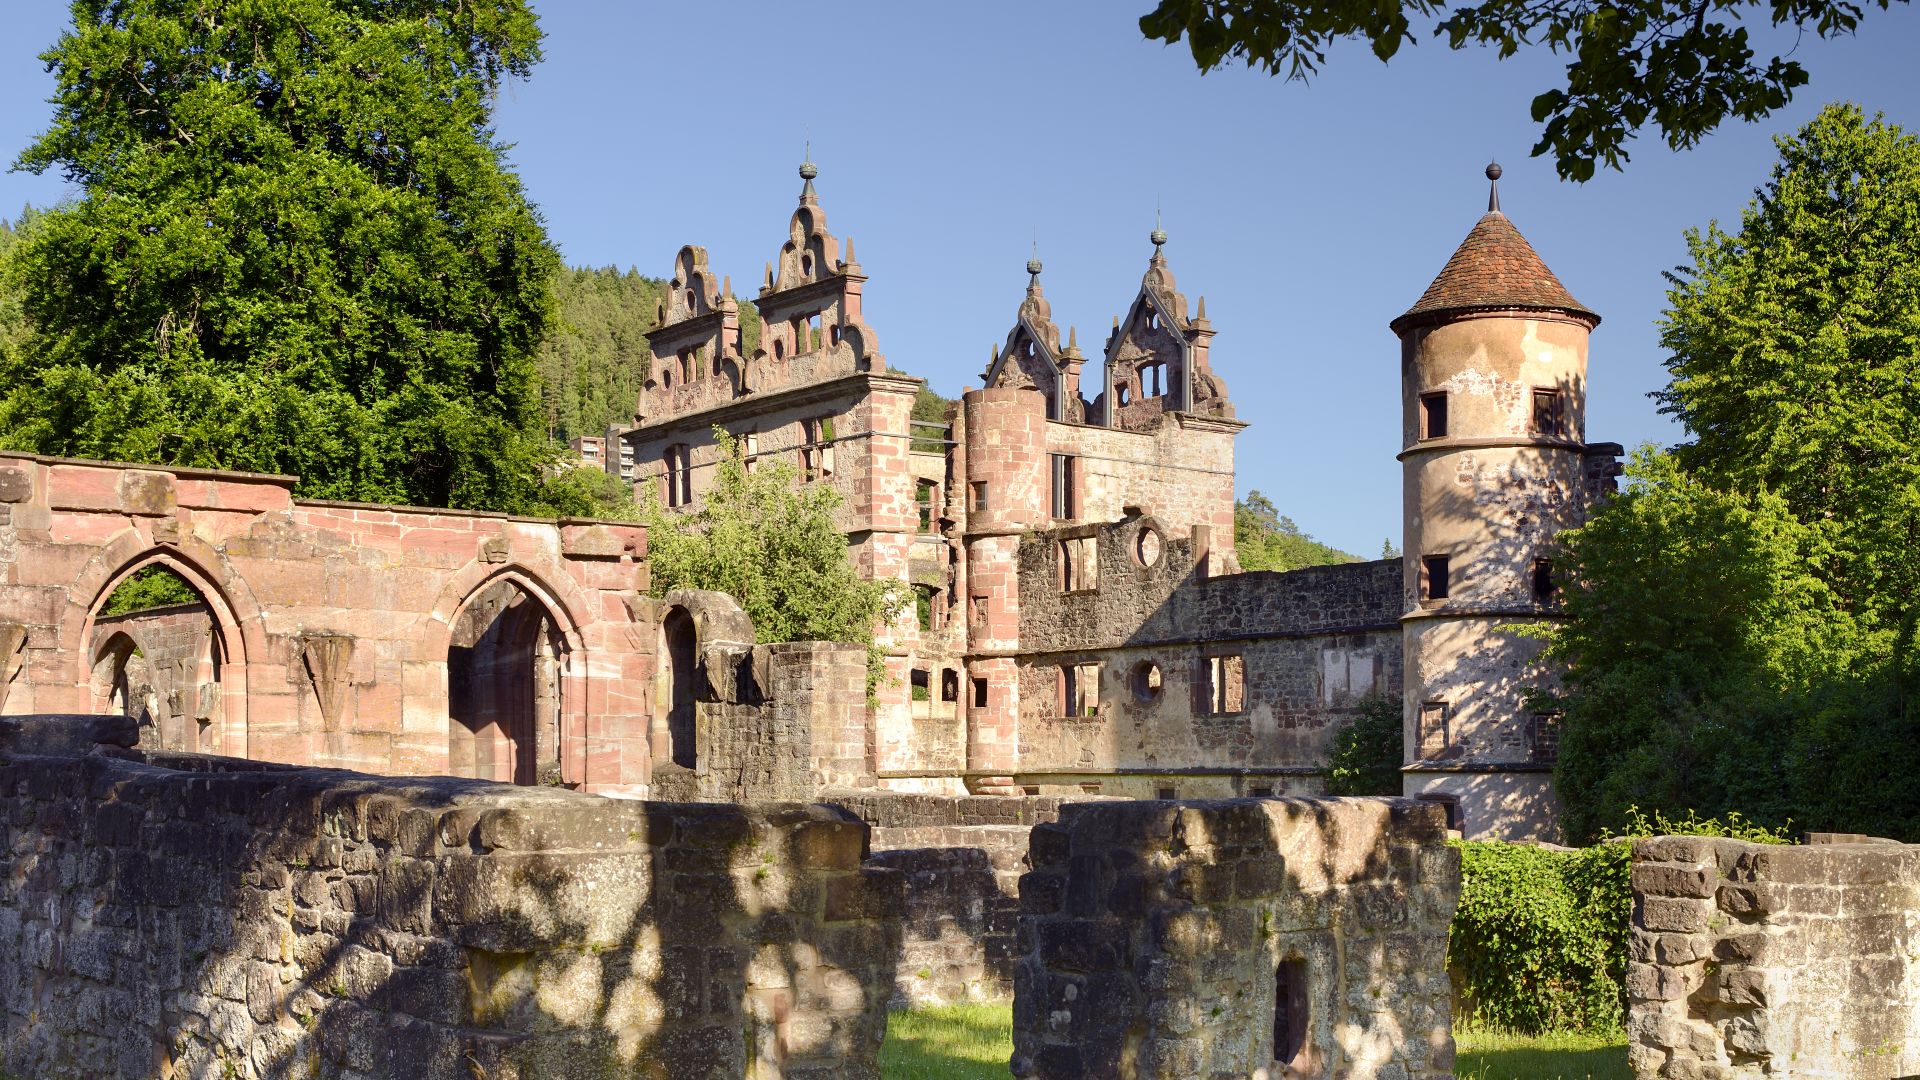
(968, 1042)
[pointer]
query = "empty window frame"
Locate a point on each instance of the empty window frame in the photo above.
(1435, 719)
(1079, 689)
(1153, 379)
(679, 478)
(1433, 415)
(1065, 473)
(1549, 412)
(1166, 794)
(1079, 565)
(929, 605)
(1222, 685)
(978, 610)
(921, 681)
(923, 496)
(749, 449)
(816, 448)
(1290, 1015)
(949, 685)
(979, 494)
(979, 693)
(1434, 581)
(1543, 580)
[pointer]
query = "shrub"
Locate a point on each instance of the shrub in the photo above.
(1539, 941)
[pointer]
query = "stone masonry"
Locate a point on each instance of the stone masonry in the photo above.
(1269, 938)
(1752, 960)
(180, 915)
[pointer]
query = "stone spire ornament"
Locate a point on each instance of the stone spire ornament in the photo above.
(1493, 187)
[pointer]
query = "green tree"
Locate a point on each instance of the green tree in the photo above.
(929, 408)
(300, 249)
(1682, 65)
(151, 587)
(772, 544)
(1266, 540)
(1368, 752)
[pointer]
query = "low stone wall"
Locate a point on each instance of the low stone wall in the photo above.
(1247, 938)
(167, 915)
(1752, 960)
(962, 857)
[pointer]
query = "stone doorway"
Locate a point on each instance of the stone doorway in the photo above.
(505, 670)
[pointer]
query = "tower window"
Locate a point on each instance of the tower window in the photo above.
(1433, 577)
(923, 496)
(979, 693)
(1433, 415)
(1543, 580)
(679, 463)
(1435, 718)
(979, 494)
(949, 685)
(1165, 794)
(816, 451)
(1548, 418)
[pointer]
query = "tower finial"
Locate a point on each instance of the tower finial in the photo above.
(1158, 235)
(1033, 264)
(808, 170)
(1493, 187)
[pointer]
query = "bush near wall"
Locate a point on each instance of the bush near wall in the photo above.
(1539, 941)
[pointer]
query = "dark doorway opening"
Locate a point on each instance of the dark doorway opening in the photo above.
(504, 670)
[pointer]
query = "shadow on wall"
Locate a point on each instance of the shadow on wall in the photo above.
(1260, 938)
(231, 918)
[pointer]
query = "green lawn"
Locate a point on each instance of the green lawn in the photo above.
(967, 1042)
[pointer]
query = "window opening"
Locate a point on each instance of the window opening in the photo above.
(1433, 577)
(1547, 412)
(925, 604)
(1543, 735)
(979, 693)
(949, 685)
(923, 495)
(1433, 415)
(677, 628)
(1079, 565)
(1065, 470)
(1260, 791)
(1290, 1013)
(816, 451)
(979, 494)
(1125, 393)
(749, 449)
(1080, 689)
(1222, 685)
(1148, 546)
(977, 610)
(1543, 580)
(1146, 681)
(1153, 379)
(922, 684)
(1165, 794)
(1435, 718)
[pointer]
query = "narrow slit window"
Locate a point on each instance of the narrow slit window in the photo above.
(979, 693)
(1435, 718)
(1433, 577)
(1543, 580)
(979, 494)
(1066, 504)
(923, 496)
(1547, 411)
(949, 685)
(1222, 685)
(1290, 1014)
(1433, 415)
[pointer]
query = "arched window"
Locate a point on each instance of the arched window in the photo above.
(677, 650)
(504, 667)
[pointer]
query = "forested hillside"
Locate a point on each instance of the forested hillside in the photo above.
(1267, 540)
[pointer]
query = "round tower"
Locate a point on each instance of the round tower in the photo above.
(1493, 370)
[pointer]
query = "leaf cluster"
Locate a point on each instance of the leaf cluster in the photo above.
(300, 249)
(1368, 751)
(151, 587)
(772, 544)
(1683, 66)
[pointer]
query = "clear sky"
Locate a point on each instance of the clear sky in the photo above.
(951, 136)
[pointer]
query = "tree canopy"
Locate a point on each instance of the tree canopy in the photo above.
(1684, 66)
(300, 249)
(1267, 540)
(1742, 613)
(771, 543)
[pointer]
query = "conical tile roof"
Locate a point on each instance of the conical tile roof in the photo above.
(1494, 269)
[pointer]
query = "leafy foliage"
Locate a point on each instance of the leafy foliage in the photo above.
(771, 543)
(1743, 614)
(1682, 65)
(930, 408)
(1539, 941)
(1368, 752)
(1267, 541)
(300, 249)
(149, 587)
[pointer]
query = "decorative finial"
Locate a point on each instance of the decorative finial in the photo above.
(1158, 235)
(808, 170)
(1201, 315)
(1033, 264)
(726, 285)
(1493, 187)
(1073, 339)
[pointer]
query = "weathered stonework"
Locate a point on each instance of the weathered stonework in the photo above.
(1751, 960)
(179, 915)
(1262, 938)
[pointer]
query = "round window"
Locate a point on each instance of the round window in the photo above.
(1148, 547)
(1146, 681)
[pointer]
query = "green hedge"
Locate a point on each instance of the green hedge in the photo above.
(1539, 941)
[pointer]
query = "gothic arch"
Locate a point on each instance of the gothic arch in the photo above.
(238, 633)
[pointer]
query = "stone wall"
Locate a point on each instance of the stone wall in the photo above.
(962, 858)
(1752, 960)
(173, 915)
(1247, 938)
(1310, 647)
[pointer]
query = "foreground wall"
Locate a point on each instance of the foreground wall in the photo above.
(1754, 960)
(1249, 938)
(191, 916)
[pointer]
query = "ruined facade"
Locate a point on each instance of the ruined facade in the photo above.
(1082, 625)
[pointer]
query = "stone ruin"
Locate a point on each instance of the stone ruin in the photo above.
(1275, 938)
(1752, 960)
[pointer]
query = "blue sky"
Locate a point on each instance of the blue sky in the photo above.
(950, 137)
